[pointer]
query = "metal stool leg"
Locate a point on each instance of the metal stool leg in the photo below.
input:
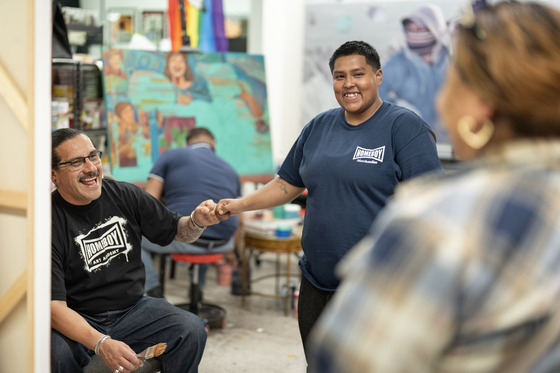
(213, 314)
(194, 290)
(162, 263)
(288, 291)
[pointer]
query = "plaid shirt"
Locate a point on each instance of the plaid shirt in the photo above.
(455, 274)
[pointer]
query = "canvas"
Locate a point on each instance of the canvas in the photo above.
(154, 98)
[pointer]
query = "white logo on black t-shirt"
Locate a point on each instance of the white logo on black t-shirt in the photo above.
(369, 155)
(103, 243)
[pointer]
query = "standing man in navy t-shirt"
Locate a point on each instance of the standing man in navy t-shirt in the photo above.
(186, 176)
(350, 159)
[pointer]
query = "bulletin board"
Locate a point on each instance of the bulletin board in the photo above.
(154, 98)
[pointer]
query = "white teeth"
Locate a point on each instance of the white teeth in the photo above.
(351, 94)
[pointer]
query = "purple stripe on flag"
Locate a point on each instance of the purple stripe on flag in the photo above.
(218, 24)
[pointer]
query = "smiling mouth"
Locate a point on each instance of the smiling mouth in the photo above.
(90, 179)
(351, 95)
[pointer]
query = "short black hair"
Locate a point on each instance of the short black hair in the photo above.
(357, 47)
(199, 131)
(58, 137)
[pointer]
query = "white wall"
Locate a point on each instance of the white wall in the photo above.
(282, 46)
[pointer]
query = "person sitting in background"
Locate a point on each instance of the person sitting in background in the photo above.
(186, 176)
(350, 159)
(97, 301)
(461, 274)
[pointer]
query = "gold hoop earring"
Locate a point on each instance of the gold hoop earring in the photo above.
(477, 140)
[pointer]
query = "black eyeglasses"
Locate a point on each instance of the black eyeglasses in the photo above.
(78, 163)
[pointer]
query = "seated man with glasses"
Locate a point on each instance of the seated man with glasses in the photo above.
(97, 301)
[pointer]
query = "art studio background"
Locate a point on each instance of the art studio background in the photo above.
(283, 33)
(144, 32)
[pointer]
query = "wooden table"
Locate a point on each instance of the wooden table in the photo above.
(255, 242)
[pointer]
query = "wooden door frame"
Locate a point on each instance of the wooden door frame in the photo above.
(32, 110)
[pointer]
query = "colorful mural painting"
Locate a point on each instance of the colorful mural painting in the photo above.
(154, 98)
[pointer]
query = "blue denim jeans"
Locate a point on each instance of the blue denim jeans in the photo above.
(148, 322)
(152, 278)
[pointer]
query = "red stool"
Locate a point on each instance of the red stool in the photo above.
(213, 314)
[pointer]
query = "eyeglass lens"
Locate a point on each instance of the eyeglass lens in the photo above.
(78, 163)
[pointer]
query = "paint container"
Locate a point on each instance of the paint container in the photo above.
(283, 231)
(291, 211)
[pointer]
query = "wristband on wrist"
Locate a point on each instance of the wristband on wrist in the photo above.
(99, 342)
(195, 224)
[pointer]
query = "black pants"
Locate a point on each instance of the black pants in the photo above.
(311, 303)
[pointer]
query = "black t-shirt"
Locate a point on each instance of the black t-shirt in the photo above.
(96, 261)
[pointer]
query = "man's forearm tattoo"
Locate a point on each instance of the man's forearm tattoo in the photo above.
(186, 233)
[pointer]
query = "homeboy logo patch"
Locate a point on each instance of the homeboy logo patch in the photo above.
(103, 243)
(369, 155)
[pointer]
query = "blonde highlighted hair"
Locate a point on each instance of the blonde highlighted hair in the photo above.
(510, 57)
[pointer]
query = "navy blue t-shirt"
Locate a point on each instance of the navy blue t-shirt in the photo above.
(194, 174)
(350, 172)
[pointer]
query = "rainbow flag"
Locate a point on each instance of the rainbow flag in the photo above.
(204, 21)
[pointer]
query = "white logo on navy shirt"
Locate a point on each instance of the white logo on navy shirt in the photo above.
(369, 155)
(103, 243)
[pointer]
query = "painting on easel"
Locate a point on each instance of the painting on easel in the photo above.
(154, 98)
